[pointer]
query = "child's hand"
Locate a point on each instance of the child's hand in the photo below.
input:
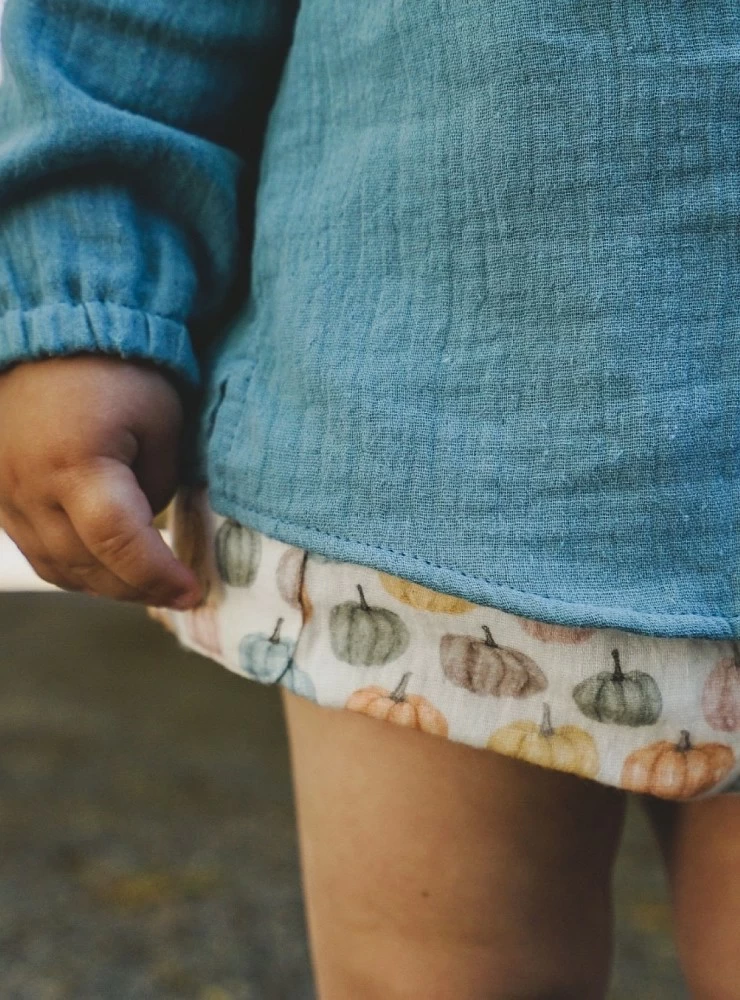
(88, 454)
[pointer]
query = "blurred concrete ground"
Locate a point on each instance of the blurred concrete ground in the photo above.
(147, 844)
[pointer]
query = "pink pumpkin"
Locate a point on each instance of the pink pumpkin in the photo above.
(191, 538)
(550, 632)
(201, 624)
(291, 580)
(720, 700)
(290, 575)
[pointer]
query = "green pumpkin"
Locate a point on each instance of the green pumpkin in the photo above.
(238, 550)
(366, 636)
(266, 657)
(631, 699)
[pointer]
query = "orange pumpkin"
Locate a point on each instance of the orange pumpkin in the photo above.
(566, 748)
(551, 632)
(411, 710)
(676, 770)
(423, 598)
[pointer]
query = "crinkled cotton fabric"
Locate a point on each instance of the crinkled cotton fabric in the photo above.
(456, 285)
(656, 716)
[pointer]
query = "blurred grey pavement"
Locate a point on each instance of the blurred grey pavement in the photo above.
(147, 841)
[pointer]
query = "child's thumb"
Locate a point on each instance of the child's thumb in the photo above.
(113, 518)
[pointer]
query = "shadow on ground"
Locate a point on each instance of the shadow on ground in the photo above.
(147, 844)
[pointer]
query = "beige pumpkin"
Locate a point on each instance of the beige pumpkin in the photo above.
(551, 632)
(411, 710)
(483, 667)
(565, 748)
(422, 597)
(676, 770)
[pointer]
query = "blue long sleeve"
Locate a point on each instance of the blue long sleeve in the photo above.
(130, 134)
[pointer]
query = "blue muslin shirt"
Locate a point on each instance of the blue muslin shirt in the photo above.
(451, 288)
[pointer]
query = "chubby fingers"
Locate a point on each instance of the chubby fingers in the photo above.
(57, 554)
(120, 553)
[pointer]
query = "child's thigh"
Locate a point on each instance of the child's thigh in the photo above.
(433, 869)
(701, 847)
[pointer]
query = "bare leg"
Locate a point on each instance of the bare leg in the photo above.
(436, 870)
(700, 843)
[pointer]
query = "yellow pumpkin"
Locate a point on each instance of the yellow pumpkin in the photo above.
(423, 598)
(676, 770)
(566, 748)
(411, 710)
(551, 632)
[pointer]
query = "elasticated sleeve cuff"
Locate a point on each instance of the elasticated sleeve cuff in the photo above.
(66, 328)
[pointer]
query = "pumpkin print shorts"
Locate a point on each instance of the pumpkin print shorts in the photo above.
(653, 715)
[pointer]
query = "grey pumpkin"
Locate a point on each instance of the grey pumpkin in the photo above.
(483, 667)
(364, 635)
(631, 699)
(238, 550)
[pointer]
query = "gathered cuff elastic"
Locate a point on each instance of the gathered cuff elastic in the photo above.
(105, 327)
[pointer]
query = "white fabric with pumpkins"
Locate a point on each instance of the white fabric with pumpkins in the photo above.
(657, 716)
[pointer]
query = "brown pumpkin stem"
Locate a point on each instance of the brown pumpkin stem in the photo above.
(684, 743)
(546, 724)
(489, 638)
(275, 637)
(363, 603)
(399, 691)
(617, 675)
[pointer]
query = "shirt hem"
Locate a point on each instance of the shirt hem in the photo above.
(478, 590)
(102, 327)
